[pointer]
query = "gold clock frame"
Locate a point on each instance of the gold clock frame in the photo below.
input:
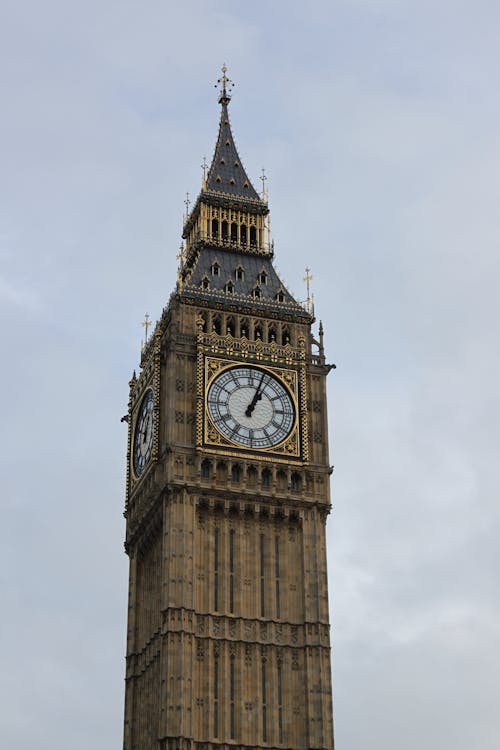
(287, 364)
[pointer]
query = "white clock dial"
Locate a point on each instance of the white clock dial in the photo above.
(143, 434)
(251, 407)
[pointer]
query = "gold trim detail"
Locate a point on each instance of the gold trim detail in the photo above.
(211, 367)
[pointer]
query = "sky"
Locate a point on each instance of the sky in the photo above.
(378, 125)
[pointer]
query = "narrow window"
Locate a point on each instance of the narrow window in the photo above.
(264, 703)
(234, 232)
(231, 699)
(231, 571)
(225, 230)
(262, 580)
(266, 478)
(253, 236)
(258, 332)
(263, 277)
(239, 274)
(215, 229)
(215, 269)
(256, 292)
(243, 234)
(205, 469)
(216, 570)
(216, 696)
(296, 481)
(217, 325)
(277, 573)
(280, 706)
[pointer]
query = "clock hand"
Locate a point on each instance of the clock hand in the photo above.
(257, 397)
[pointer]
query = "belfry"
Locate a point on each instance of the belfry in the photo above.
(228, 639)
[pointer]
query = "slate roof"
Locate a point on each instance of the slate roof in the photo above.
(227, 174)
(253, 266)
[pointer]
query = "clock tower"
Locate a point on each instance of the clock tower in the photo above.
(227, 498)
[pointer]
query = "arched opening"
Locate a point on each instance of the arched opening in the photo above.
(204, 319)
(205, 283)
(296, 481)
(217, 324)
(224, 230)
(230, 287)
(258, 332)
(251, 476)
(285, 335)
(243, 234)
(272, 333)
(244, 328)
(215, 229)
(239, 273)
(234, 232)
(266, 478)
(221, 471)
(253, 236)
(281, 480)
(230, 326)
(236, 473)
(205, 468)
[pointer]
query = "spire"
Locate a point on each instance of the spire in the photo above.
(227, 174)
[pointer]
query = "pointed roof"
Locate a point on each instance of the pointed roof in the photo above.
(227, 174)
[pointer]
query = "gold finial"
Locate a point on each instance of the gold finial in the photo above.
(263, 179)
(225, 86)
(309, 303)
(187, 203)
(145, 324)
(181, 256)
(204, 166)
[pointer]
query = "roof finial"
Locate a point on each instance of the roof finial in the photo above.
(204, 166)
(263, 179)
(310, 300)
(146, 324)
(226, 85)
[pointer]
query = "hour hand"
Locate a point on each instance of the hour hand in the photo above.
(257, 397)
(251, 405)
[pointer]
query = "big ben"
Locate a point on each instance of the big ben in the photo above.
(228, 639)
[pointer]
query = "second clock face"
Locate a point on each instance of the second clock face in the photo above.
(251, 407)
(143, 434)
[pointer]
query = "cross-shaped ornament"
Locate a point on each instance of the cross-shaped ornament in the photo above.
(263, 179)
(145, 324)
(181, 254)
(308, 278)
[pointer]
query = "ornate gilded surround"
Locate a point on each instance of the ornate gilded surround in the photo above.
(287, 364)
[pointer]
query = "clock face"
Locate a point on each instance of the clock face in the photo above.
(251, 407)
(143, 434)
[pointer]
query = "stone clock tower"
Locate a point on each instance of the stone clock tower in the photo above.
(228, 495)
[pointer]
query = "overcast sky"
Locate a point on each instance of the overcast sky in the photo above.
(378, 124)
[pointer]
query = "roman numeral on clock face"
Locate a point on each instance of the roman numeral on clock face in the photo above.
(251, 407)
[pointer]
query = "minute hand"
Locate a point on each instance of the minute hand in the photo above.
(257, 397)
